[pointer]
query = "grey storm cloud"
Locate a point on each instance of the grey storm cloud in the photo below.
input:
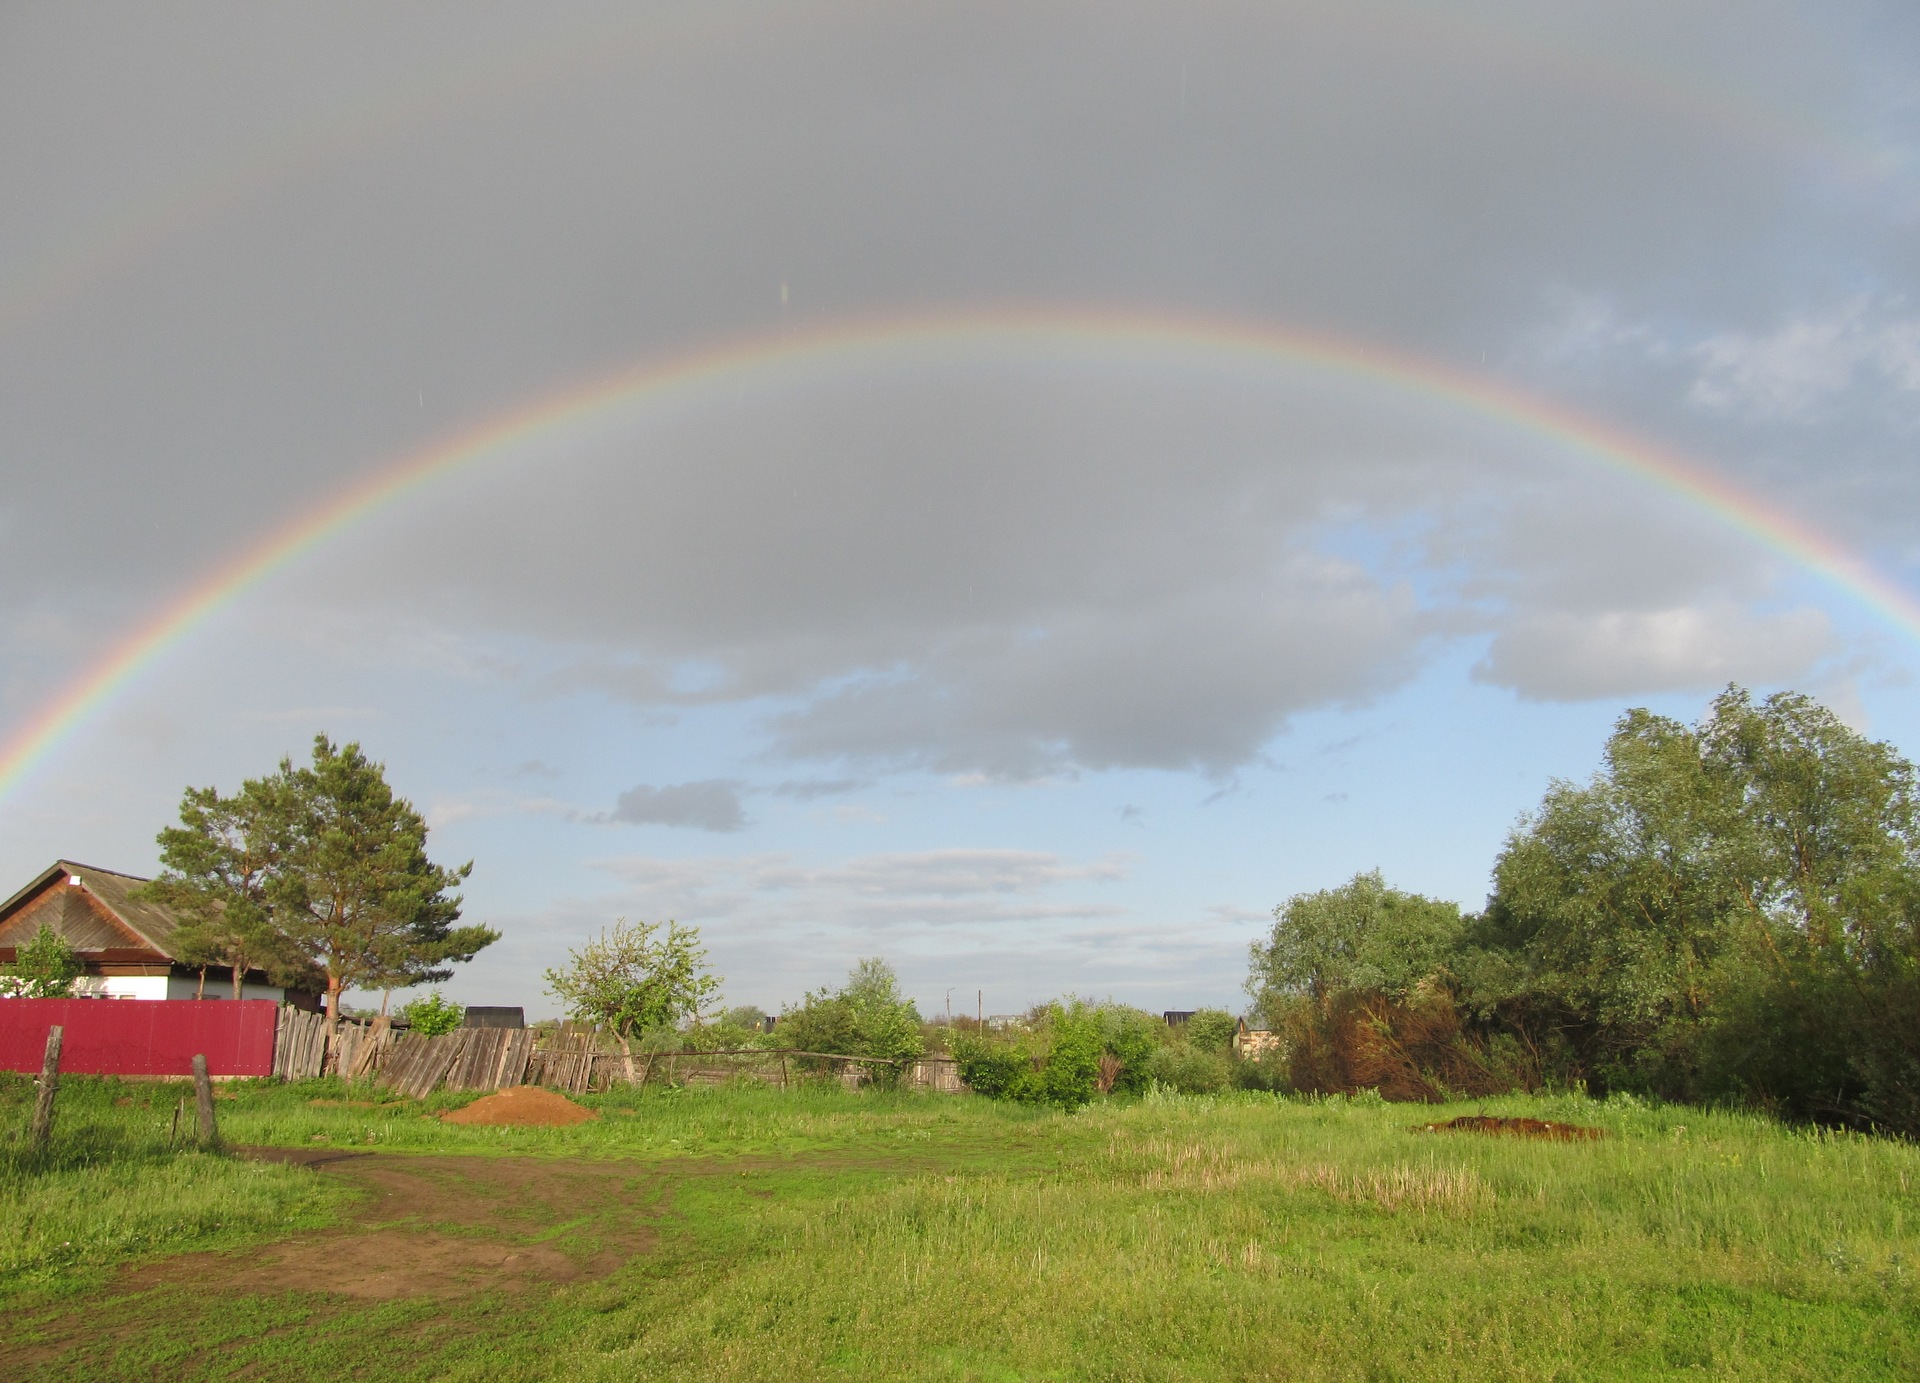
(713, 805)
(358, 230)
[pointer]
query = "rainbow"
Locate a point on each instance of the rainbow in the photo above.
(860, 342)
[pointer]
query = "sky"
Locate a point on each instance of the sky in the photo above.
(1017, 489)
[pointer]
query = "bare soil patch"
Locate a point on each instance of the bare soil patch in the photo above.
(1515, 1128)
(522, 1105)
(441, 1226)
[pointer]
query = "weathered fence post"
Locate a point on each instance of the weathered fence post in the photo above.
(203, 1098)
(49, 1084)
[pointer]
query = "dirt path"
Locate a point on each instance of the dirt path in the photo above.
(442, 1226)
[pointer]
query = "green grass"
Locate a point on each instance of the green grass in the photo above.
(922, 1237)
(111, 1188)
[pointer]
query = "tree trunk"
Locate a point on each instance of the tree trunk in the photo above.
(200, 990)
(333, 1019)
(239, 978)
(626, 1052)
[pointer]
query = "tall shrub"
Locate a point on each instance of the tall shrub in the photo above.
(866, 1016)
(1069, 1053)
(44, 968)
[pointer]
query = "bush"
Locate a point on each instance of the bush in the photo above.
(1267, 1073)
(1066, 1054)
(1129, 1038)
(725, 1035)
(864, 1017)
(1070, 1075)
(1416, 1049)
(1189, 1070)
(996, 1068)
(1212, 1030)
(433, 1016)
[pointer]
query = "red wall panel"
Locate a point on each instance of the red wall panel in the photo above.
(141, 1037)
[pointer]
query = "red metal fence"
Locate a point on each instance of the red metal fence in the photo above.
(141, 1037)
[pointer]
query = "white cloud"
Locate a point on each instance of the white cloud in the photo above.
(489, 803)
(1788, 372)
(934, 888)
(1584, 327)
(858, 814)
(1025, 925)
(808, 789)
(1573, 656)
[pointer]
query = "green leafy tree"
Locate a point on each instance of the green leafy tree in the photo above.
(44, 968)
(1362, 935)
(432, 1015)
(1728, 907)
(215, 869)
(1614, 902)
(354, 891)
(636, 979)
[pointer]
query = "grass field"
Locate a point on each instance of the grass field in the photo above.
(755, 1234)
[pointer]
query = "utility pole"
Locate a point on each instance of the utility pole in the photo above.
(980, 1006)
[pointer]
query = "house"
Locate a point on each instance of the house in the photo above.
(1252, 1043)
(121, 939)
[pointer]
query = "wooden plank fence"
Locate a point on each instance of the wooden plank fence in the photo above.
(300, 1044)
(567, 1060)
(358, 1047)
(572, 1059)
(490, 1058)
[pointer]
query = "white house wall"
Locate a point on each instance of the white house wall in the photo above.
(121, 987)
(185, 986)
(167, 987)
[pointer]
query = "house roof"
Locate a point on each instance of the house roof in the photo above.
(110, 918)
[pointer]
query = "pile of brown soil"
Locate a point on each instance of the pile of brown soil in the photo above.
(524, 1105)
(1514, 1128)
